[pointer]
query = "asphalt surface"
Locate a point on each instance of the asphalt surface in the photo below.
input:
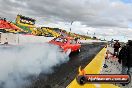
(66, 72)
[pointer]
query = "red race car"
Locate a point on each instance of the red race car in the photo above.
(67, 43)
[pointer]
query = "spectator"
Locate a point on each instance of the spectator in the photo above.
(6, 42)
(125, 57)
(77, 40)
(111, 42)
(4, 19)
(116, 48)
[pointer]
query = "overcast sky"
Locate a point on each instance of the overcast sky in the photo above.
(107, 18)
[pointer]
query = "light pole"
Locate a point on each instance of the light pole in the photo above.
(71, 25)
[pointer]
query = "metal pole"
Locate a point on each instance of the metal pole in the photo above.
(71, 25)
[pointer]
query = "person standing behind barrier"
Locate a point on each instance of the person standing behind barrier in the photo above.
(125, 57)
(116, 48)
(6, 41)
(77, 40)
(111, 43)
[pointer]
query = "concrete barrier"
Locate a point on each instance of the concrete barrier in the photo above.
(22, 39)
(8, 37)
(33, 39)
(90, 41)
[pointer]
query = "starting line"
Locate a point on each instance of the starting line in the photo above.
(94, 67)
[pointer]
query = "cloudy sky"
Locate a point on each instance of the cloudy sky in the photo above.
(106, 18)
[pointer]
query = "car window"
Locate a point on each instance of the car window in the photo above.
(63, 40)
(58, 39)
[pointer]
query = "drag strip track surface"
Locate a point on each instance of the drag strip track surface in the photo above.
(66, 72)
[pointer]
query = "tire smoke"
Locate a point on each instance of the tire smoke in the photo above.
(17, 63)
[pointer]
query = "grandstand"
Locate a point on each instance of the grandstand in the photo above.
(26, 25)
(74, 35)
(60, 31)
(25, 28)
(51, 31)
(41, 32)
(8, 26)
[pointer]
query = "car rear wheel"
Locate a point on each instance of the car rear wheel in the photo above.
(78, 51)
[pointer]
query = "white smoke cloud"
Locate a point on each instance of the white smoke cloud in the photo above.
(18, 63)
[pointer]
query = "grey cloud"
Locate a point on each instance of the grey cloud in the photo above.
(95, 13)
